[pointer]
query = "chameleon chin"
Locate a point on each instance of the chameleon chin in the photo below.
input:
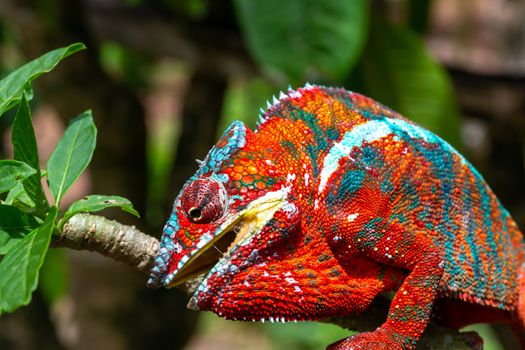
(331, 201)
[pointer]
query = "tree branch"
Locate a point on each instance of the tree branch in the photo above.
(109, 238)
(113, 240)
(137, 249)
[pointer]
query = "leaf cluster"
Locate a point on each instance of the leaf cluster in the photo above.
(27, 219)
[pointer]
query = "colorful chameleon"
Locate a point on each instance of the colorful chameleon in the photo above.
(333, 200)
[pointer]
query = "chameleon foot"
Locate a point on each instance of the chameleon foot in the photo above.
(378, 340)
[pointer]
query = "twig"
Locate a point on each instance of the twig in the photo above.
(114, 240)
(109, 238)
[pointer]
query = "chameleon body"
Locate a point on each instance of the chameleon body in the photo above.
(332, 200)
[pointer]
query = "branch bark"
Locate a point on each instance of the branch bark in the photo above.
(109, 238)
(114, 240)
(137, 249)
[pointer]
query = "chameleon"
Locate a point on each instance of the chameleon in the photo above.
(331, 202)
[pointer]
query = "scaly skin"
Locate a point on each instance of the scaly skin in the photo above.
(331, 201)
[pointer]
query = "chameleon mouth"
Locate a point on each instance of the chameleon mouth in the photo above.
(203, 261)
(235, 232)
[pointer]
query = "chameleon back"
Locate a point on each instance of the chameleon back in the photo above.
(356, 142)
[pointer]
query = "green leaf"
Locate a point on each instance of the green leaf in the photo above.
(54, 276)
(13, 172)
(20, 266)
(25, 149)
(72, 155)
(304, 39)
(14, 193)
(397, 71)
(14, 225)
(98, 202)
(18, 197)
(18, 82)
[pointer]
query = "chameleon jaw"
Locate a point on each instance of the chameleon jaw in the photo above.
(234, 232)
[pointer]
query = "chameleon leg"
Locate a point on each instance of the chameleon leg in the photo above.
(412, 305)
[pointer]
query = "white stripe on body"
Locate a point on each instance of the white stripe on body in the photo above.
(372, 131)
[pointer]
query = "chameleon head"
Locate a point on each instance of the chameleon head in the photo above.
(219, 209)
(241, 227)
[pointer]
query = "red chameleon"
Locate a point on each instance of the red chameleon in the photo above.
(333, 200)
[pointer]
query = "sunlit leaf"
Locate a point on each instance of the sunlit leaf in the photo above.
(20, 266)
(17, 82)
(304, 39)
(96, 202)
(18, 197)
(72, 155)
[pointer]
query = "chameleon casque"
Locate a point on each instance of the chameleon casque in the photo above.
(333, 200)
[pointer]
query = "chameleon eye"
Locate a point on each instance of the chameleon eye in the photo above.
(204, 201)
(195, 213)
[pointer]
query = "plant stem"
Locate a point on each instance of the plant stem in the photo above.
(109, 238)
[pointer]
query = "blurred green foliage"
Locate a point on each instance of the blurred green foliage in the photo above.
(490, 338)
(125, 64)
(305, 40)
(54, 276)
(397, 70)
(244, 100)
(303, 335)
(342, 42)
